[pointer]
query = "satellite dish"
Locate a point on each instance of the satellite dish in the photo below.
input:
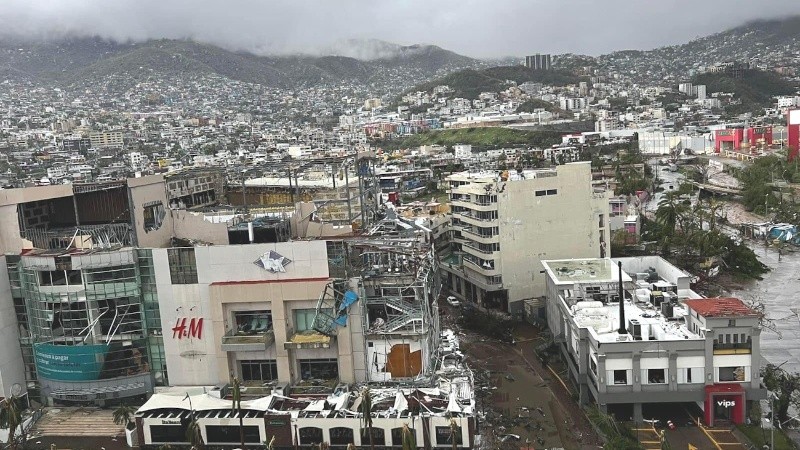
(16, 389)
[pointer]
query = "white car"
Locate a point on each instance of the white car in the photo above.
(452, 301)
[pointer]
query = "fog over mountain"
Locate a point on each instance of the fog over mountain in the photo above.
(361, 29)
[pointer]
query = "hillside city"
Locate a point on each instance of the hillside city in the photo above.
(407, 249)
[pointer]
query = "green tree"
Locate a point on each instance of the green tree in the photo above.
(366, 414)
(11, 418)
(123, 415)
(409, 441)
(786, 386)
(236, 407)
(193, 433)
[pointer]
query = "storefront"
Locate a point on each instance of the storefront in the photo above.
(724, 402)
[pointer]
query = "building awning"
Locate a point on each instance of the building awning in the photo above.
(308, 339)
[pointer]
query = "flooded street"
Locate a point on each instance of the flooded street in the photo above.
(780, 293)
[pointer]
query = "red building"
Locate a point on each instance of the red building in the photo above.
(793, 129)
(731, 139)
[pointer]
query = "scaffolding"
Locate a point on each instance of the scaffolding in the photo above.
(391, 274)
(91, 323)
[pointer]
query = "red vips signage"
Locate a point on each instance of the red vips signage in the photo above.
(186, 327)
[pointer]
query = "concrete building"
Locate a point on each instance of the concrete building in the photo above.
(636, 337)
(539, 62)
(463, 151)
(107, 139)
(504, 225)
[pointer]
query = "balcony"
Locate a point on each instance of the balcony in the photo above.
(482, 253)
(469, 233)
(238, 341)
(744, 348)
(309, 339)
(482, 268)
(474, 219)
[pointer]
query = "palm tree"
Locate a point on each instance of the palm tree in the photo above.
(409, 442)
(123, 415)
(11, 418)
(455, 431)
(193, 434)
(237, 407)
(366, 413)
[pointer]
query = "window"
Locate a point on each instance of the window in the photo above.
(310, 435)
(445, 435)
(593, 365)
(161, 434)
(378, 436)
(737, 373)
(154, 214)
(229, 434)
(182, 265)
(545, 192)
(341, 436)
(602, 221)
(259, 370)
(541, 193)
(620, 377)
(252, 322)
(60, 278)
(732, 323)
(304, 319)
(325, 369)
(552, 191)
(397, 436)
(690, 375)
(656, 376)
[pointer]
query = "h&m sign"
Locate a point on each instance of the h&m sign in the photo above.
(186, 327)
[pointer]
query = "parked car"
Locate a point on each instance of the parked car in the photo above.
(452, 301)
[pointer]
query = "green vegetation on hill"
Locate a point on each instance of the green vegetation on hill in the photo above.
(479, 138)
(470, 83)
(533, 104)
(755, 88)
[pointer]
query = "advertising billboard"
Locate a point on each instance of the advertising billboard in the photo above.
(69, 362)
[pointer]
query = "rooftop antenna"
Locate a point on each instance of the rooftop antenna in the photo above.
(622, 329)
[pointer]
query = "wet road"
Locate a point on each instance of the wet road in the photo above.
(780, 293)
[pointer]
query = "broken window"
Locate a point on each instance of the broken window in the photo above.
(320, 369)
(378, 436)
(445, 435)
(656, 376)
(620, 377)
(182, 265)
(154, 214)
(737, 373)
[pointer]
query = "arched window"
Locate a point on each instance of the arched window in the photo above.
(310, 435)
(397, 436)
(378, 437)
(341, 436)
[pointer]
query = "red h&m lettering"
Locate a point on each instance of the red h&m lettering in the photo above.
(194, 329)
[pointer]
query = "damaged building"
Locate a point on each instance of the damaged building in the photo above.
(106, 308)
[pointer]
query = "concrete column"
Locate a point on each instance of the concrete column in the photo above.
(672, 373)
(636, 372)
(280, 326)
(638, 417)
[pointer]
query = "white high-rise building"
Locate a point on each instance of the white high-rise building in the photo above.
(503, 225)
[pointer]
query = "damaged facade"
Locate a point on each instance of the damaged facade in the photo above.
(98, 317)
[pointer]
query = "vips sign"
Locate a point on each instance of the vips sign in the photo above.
(69, 362)
(188, 328)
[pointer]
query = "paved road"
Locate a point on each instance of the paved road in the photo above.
(779, 292)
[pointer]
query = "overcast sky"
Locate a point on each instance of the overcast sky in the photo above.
(479, 28)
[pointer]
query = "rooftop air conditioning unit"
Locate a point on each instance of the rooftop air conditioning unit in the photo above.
(219, 391)
(281, 389)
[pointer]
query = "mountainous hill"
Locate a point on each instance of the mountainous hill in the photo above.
(773, 42)
(89, 59)
(470, 83)
(754, 88)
